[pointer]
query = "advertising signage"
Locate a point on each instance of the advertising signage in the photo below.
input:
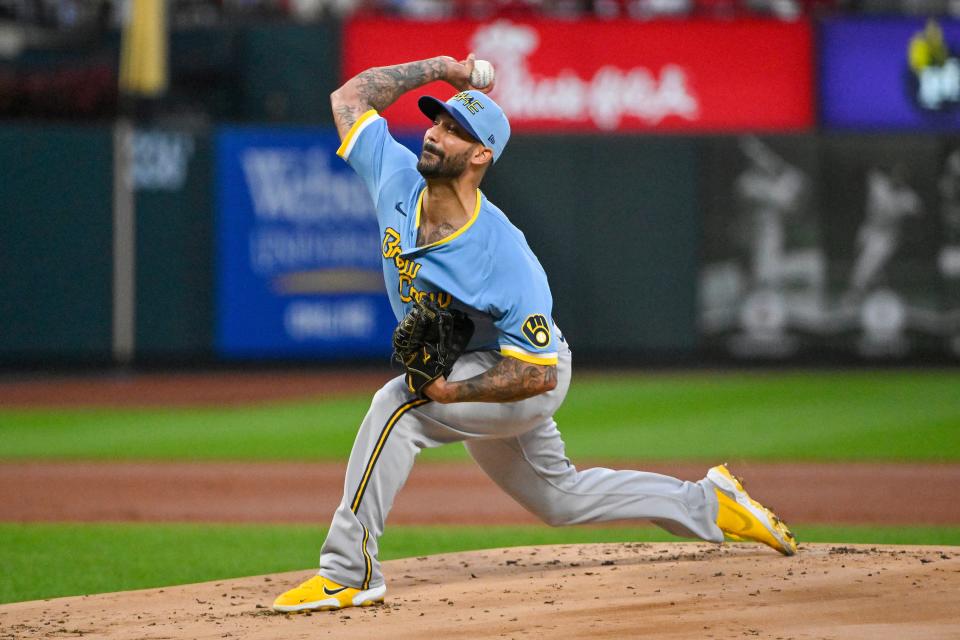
(890, 74)
(690, 76)
(299, 272)
(846, 244)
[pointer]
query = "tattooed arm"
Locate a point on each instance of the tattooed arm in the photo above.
(509, 380)
(379, 87)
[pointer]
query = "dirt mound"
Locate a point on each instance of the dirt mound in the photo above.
(690, 590)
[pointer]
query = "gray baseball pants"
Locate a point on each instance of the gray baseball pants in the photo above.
(518, 445)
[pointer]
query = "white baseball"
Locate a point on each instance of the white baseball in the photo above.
(482, 74)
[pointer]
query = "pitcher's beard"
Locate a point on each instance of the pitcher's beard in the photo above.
(434, 166)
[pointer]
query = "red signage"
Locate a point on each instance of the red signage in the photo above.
(614, 75)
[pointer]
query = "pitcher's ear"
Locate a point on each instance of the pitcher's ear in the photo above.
(483, 155)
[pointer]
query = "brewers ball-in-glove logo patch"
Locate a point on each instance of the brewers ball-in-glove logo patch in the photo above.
(537, 330)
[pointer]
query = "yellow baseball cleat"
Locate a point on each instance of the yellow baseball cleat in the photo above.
(742, 518)
(321, 594)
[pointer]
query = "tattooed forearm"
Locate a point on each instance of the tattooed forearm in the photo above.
(344, 115)
(509, 380)
(380, 87)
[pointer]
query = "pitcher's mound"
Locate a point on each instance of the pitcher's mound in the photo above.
(688, 590)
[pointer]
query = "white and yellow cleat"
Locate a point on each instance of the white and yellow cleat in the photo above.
(321, 594)
(742, 518)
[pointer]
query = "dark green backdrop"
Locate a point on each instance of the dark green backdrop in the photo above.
(174, 311)
(614, 222)
(56, 223)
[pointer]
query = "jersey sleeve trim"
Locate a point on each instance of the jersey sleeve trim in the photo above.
(350, 139)
(526, 356)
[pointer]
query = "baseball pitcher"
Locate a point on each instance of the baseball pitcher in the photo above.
(485, 364)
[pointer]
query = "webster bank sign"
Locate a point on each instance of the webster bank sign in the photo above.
(613, 75)
(299, 273)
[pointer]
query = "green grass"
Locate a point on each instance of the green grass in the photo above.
(868, 415)
(49, 560)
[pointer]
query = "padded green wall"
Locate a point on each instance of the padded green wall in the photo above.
(174, 311)
(55, 242)
(614, 220)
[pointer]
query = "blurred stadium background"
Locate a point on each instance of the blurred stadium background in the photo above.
(708, 184)
(757, 181)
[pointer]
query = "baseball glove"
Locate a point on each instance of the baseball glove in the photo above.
(428, 340)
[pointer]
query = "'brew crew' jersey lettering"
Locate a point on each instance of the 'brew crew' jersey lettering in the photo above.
(485, 268)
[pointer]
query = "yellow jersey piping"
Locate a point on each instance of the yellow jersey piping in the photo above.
(367, 562)
(526, 356)
(375, 455)
(348, 140)
(416, 220)
(460, 231)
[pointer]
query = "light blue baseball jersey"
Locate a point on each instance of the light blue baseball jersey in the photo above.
(486, 268)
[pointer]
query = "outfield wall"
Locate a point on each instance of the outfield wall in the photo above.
(55, 242)
(736, 246)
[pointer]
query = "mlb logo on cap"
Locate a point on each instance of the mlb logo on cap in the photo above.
(477, 113)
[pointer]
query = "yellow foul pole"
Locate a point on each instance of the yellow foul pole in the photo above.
(143, 55)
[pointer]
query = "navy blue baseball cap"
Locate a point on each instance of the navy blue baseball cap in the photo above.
(477, 113)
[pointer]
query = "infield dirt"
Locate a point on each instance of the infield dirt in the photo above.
(686, 590)
(852, 493)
